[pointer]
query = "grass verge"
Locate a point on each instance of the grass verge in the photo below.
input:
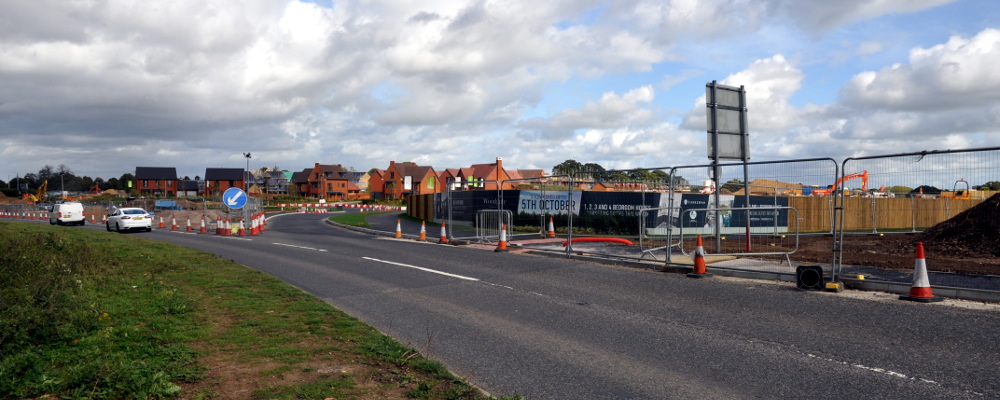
(92, 314)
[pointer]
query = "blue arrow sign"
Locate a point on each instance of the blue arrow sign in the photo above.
(234, 198)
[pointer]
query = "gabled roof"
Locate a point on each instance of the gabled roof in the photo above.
(224, 174)
(156, 173)
(531, 173)
(301, 176)
(330, 171)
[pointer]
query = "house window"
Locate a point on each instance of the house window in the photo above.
(170, 183)
(145, 183)
(392, 175)
(430, 183)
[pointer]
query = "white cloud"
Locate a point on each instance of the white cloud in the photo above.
(958, 74)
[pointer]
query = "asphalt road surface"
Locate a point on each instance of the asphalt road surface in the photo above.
(551, 328)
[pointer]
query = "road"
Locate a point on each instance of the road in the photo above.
(551, 328)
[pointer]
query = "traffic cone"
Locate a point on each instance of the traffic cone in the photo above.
(399, 230)
(263, 222)
(502, 244)
(920, 291)
(253, 226)
(242, 231)
(93, 219)
(218, 225)
(444, 234)
(161, 222)
(552, 228)
(173, 223)
(699, 269)
(202, 229)
(423, 231)
(188, 228)
(227, 231)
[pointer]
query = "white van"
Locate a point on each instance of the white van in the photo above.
(67, 213)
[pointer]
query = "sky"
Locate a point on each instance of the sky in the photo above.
(105, 86)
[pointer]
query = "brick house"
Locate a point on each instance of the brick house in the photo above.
(406, 178)
(332, 183)
(376, 184)
(156, 181)
(218, 180)
(485, 176)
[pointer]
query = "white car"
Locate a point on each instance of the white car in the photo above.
(124, 219)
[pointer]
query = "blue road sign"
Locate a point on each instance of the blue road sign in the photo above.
(234, 198)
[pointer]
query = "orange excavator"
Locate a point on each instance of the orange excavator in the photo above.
(863, 175)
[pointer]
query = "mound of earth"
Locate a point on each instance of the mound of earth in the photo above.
(975, 231)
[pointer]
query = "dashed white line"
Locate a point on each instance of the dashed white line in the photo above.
(422, 269)
(298, 247)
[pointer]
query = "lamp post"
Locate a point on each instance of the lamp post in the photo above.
(62, 186)
(246, 175)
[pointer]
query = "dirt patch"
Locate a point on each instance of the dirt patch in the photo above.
(968, 243)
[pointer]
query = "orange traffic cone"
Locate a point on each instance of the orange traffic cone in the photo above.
(227, 231)
(218, 225)
(552, 228)
(502, 244)
(699, 269)
(423, 231)
(202, 229)
(161, 222)
(399, 230)
(93, 219)
(243, 229)
(188, 228)
(444, 234)
(173, 223)
(254, 231)
(920, 291)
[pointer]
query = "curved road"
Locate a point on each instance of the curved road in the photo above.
(551, 328)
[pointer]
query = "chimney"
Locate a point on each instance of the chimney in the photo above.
(317, 165)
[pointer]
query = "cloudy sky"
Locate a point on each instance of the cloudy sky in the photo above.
(105, 86)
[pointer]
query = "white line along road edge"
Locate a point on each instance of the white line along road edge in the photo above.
(422, 269)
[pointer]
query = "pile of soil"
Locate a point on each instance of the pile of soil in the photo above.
(973, 231)
(968, 243)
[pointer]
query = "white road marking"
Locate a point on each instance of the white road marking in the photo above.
(422, 269)
(298, 247)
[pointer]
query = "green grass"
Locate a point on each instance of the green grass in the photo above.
(91, 314)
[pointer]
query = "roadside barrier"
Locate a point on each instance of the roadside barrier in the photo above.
(700, 269)
(921, 291)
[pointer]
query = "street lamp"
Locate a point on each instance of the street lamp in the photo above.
(246, 173)
(62, 186)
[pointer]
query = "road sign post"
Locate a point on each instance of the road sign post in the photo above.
(727, 139)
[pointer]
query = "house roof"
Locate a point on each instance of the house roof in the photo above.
(301, 176)
(155, 173)
(189, 185)
(224, 174)
(531, 173)
(330, 171)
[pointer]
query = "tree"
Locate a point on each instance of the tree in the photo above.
(926, 189)
(733, 185)
(567, 167)
(991, 185)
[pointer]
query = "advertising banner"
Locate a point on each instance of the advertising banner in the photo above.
(537, 202)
